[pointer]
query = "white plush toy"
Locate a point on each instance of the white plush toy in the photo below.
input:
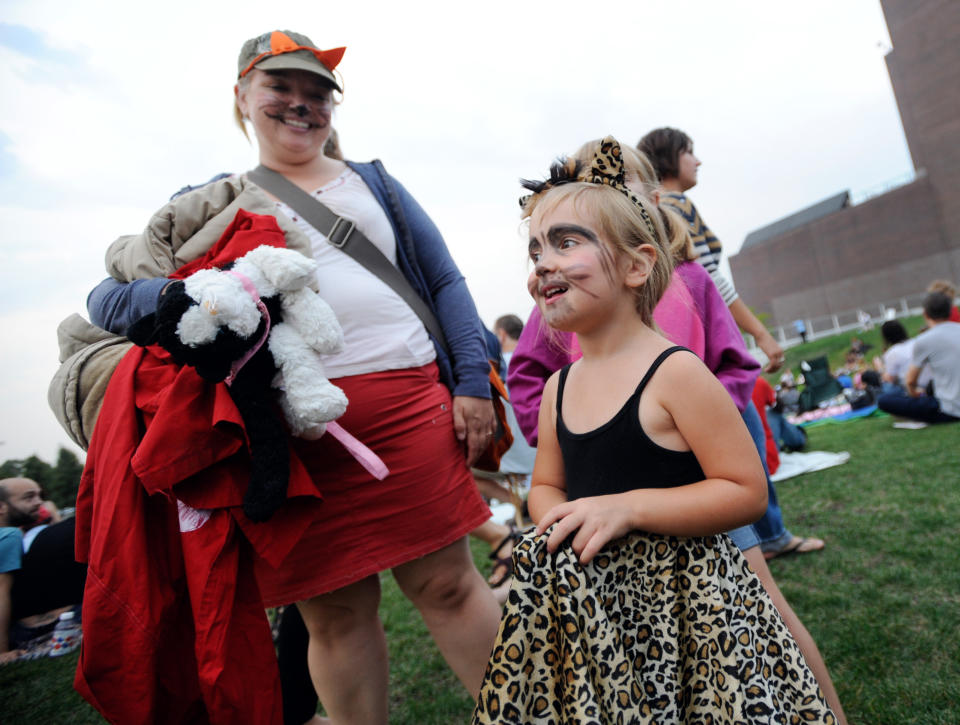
(308, 328)
(214, 321)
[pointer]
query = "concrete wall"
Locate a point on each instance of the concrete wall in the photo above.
(890, 246)
(924, 68)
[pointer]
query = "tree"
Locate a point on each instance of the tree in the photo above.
(65, 479)
(39, 471)
(11, 468)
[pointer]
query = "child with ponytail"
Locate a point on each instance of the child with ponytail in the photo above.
(629, 604)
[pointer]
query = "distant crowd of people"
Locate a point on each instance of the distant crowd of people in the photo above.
(920, 377)
(915, 379)
(39, 575)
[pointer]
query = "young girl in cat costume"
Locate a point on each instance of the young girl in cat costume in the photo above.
(628, 604)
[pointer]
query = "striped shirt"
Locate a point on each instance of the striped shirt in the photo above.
(708, 247)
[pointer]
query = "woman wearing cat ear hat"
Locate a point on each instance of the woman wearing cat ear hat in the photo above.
(424, 412)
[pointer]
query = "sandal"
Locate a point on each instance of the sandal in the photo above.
(505, 561)
(799, 545)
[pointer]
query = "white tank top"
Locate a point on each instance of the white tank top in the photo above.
(380, 330)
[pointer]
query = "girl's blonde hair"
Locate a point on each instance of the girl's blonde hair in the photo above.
(623, 224)
(638, 167)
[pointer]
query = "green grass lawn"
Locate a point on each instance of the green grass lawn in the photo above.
(882, 600)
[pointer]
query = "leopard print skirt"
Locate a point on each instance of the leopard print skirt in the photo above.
(656, 629)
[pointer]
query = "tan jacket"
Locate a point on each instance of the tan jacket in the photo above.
(178, 233)
(189, 225)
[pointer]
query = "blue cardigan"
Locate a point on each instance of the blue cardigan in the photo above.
(422, 257)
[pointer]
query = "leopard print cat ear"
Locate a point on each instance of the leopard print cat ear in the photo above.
(606, 167)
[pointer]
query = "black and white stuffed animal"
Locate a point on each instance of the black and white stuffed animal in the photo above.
(211, 321)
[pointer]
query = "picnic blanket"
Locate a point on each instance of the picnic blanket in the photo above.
(793, 464)
(833, 414)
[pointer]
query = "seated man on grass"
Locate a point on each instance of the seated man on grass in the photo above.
(939, 349)
(39, 576)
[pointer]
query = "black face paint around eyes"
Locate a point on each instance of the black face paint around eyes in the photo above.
(607, 257)
(556, 233)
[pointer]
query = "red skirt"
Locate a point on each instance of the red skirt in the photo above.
(364, 526)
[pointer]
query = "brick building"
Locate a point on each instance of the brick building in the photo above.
(800, 266)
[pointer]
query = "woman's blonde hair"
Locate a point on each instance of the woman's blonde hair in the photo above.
(626, 227)
(242, 85)
(332, 146)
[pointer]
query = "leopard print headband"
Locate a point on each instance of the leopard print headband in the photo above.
(605, 168)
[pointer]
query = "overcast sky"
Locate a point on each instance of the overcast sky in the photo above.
(109, 107)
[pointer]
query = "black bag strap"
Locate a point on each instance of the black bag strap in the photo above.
(343, 234)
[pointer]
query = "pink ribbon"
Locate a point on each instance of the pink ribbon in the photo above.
(252, 291)
(365, 457)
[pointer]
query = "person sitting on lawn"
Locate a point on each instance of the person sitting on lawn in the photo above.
(38, 572)
(789, 437)
(892, 366)
(946, 286)
(938, 348)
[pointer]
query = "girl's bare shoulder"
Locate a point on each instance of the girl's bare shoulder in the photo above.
(683, 378)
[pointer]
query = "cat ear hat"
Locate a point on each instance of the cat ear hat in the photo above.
(606, 168)
(286, 50)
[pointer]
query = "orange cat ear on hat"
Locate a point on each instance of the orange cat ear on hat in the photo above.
(330, 58)
(281, 43)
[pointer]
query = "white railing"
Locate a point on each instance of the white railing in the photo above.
(859, 319)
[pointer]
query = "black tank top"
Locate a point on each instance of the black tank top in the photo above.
(618, 456)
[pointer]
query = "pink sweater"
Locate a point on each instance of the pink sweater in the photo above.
(691, 313)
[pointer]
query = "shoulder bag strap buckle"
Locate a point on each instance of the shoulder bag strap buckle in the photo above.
(340, 232)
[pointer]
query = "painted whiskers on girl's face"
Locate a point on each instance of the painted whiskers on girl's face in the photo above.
(574, 269)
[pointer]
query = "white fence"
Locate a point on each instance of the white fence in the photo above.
(860, 319)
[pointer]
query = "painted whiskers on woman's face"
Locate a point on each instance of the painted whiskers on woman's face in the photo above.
(288, 108)
(297, 98)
